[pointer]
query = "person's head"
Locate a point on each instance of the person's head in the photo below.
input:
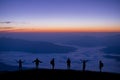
(37, 58)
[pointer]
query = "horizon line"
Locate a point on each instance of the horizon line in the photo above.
(56, 29)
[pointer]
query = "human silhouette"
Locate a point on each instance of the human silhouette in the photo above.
(52, 62)
(100, 65)
(37, 61)
(20, 64)
(84, 64)
(68, 63)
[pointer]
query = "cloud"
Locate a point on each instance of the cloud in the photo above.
(6, 27)
(6, 22)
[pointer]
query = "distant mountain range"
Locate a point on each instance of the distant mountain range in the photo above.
(4, 67)
(9, 44)
(112, 42)
(91, 41)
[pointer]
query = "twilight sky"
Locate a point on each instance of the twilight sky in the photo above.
(60, 15)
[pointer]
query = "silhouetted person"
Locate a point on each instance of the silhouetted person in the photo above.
(20, 64)
(84, 64)
(100, 65)
(37, 61)
(68, 63)
(52, 62)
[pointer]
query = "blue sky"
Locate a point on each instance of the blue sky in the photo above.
(59, 13)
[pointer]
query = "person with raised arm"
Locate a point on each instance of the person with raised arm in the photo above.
(37, 61)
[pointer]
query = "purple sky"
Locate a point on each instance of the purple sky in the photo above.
(59, 13)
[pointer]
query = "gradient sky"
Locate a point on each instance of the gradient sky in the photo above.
(60, 15)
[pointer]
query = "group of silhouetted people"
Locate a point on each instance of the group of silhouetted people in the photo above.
(52, 62)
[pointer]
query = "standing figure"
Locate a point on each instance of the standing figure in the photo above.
(100, 65)
(84, 64)
(68, 63)
(37, 61)
(20, 64)
(52, 62)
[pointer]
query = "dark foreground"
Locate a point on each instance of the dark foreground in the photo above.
(47, 74)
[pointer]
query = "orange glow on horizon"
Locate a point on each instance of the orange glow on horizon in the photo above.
(65, 29)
